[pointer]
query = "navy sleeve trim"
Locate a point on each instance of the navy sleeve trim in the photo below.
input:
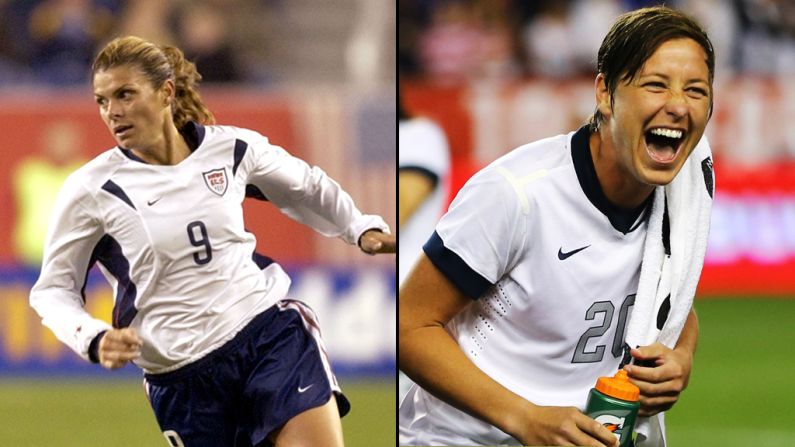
(93, 348)
(423, 171)
(454, 268)
(116, 190)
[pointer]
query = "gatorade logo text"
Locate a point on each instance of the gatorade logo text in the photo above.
(612, 423)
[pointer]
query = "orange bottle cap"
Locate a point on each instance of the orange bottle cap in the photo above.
(618, 386)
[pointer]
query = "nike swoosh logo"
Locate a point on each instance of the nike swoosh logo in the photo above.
(301, 390)
(563, 256)
(152, 202)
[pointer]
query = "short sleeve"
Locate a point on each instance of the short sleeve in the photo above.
(482, 235)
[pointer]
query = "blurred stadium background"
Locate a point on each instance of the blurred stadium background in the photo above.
(317, 78)
(498, 74)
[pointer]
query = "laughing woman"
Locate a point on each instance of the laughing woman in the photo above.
(524, 292)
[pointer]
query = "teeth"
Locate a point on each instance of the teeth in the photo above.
(670, 133)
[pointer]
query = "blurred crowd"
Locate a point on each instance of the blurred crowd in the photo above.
(257, 41)
(463, 39)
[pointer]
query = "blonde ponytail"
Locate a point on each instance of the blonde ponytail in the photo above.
(189, 105)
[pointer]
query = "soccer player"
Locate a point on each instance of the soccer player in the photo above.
(228, 360)
(520, 299)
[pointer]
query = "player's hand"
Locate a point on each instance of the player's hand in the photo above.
(660, 386)
(563, 426)
(375, 241)
(119, 346)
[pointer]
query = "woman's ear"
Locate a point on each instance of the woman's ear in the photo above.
(603, 103)
(169, 92)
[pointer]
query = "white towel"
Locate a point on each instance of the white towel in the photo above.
(689, 202)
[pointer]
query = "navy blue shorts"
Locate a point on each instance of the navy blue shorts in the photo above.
(273, 370)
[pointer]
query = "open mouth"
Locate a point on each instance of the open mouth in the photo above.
(121, 130)
(662, 143)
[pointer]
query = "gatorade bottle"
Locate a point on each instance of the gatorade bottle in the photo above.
(614, 403)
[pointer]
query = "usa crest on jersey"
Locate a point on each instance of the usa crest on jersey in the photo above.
(216, 180)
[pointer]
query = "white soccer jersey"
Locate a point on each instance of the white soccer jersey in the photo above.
(170, 240)
(553, 267)
(422, 146)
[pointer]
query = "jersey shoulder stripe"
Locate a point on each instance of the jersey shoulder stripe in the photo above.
(531, 163)
(240, 152)
(93, 175)
(116, 190)
(526, 165)
(526, 161)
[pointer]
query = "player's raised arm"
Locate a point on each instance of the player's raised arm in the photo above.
(308, 195)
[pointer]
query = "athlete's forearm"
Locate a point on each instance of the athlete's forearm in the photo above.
(430, 357)
(63, 314)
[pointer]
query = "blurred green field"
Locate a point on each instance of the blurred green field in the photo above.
(739, 395)
(108, 413)
(742, 384)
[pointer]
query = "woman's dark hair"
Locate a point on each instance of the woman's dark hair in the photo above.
(635, 36)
